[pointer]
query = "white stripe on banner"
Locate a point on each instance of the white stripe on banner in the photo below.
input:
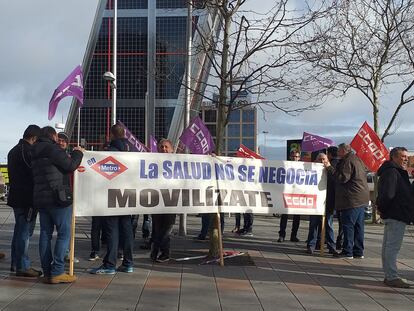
(126, 183)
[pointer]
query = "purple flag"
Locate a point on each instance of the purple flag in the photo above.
(311, 142)
(71, 86)
(134, 143)
(153, 144)
(197, 137)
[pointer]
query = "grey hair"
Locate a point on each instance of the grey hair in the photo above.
(394, 151)
(345, 147)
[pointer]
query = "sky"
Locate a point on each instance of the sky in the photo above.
(43, 41)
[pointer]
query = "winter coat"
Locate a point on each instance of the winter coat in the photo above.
(395, 194)
(51, 166)
(351, 187)
(20, 176)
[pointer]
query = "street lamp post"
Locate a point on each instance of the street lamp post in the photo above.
(111, 76)
(264, 145)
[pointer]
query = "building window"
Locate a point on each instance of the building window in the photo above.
(212, 129)
(171, 4)
(249, 143)
(210, 115)
(248, 130)
(233, 144)
(234, 116)
(233, 130)
(248, 115)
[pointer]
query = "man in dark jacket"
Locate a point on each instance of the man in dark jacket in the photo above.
(21, 200)
(162, 223)
(117, 228)
(351, 198)
(50, 166)
(395, 203)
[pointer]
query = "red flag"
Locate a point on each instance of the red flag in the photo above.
(369, 148)
(244, 152)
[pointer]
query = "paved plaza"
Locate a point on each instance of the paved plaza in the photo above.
(275, 277)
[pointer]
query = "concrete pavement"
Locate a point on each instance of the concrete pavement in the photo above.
(277, 276)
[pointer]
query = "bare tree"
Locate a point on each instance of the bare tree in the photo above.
(365, 45)
(253, 54)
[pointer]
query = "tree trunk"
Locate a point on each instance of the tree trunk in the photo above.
(215, 236)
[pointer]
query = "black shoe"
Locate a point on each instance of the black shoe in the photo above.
(29, 273)
(294, 239)
(163, 258)
(309, 251)
(200, 238)
(344, 256)
(280, 239)
(333, 252)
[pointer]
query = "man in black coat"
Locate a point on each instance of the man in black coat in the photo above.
(118, 229)
(53, 198)
(395, 203)
(20, 198)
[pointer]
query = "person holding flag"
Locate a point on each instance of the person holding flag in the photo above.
(53, 199)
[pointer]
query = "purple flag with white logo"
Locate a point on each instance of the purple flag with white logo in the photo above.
(71, 86)
(197, 137)
(134, 143)
(152, 144)
(311, 142)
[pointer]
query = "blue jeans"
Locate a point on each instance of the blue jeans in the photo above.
(353, 221)
(59, 217)
(391, 244)
(314, 234)
(23, 230)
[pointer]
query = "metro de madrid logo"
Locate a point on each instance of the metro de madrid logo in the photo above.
(109, 167)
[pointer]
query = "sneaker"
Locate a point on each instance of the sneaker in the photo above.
(125, 269)
(399, 283)
(246, 233)
(120, 256)
(280, 239)
(62, 278)
(75, 260)
(12, 268)
(294, 239)
(163, 258)
(309, 251)
(343, 256)
(29, 273)
(102, 270)
(235, 230)
(359, 257)
(93, 256)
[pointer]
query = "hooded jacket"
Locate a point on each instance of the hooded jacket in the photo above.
(51, 166)
(351, 187)
(395, 193)
(20, 176)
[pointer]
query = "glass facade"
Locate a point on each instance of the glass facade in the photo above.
(132, 69)
(241, 129)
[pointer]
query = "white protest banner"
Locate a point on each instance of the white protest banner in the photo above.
(126, 183)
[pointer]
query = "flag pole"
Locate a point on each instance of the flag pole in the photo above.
(115, 52)
(72, 229)
(79, 124)
(187, 104)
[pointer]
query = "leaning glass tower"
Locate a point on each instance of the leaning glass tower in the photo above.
(151, 62)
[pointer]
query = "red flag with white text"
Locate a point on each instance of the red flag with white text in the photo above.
(369, 148)
(244, 152)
